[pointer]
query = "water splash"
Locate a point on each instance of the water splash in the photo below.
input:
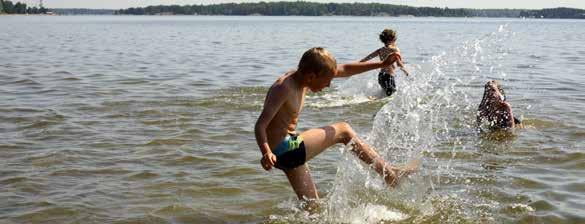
(433, 112)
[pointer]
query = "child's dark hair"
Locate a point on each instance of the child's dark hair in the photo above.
(387, 36)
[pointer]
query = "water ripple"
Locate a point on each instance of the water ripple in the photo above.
(120, 133)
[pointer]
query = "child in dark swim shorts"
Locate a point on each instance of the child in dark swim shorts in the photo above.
(290, 153)
(386, 75)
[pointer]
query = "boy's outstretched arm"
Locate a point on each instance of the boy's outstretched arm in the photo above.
(349, 69)
(370, 56)
(274, 100)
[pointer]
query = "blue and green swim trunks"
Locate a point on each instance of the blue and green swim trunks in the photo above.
(290, 153)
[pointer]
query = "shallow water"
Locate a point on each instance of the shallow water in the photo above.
(116, 119)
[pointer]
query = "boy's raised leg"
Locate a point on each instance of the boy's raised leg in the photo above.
(391, 174)
(318, 139)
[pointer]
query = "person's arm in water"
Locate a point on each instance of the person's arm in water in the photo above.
(349, 69)
(274, 101)
(370, 56)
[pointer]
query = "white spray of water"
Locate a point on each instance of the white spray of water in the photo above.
(435, 105)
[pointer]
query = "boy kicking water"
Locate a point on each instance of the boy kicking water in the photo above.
(278, 140)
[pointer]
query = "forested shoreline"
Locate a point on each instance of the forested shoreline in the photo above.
(8, 7)
(302, 8)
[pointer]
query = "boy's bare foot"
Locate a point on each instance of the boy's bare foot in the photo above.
(393, 178)
(412, 166)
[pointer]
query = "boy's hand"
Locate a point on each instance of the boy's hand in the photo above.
(268, 160)
(391, 59)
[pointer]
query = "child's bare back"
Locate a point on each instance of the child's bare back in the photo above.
(386, 75)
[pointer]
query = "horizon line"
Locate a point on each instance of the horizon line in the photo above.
(328, 3)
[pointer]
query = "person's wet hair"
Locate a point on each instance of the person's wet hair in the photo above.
(486, 109)
(387, 36)
(488, 89)
(317, 60)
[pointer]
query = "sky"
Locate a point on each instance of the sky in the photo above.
(481, 4)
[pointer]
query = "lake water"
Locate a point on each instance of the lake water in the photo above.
(116, 119)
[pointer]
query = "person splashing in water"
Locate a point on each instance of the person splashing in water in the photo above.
(386, 75)
(282, 147)
(494, 112)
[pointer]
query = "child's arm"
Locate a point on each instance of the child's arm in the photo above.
(349, 69)
(274, 100)
(372, 55)
(401, 66)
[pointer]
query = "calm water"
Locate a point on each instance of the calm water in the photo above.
(149, 120)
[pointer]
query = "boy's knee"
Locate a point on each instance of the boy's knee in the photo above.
(347, 132)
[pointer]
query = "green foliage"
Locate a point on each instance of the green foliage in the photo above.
(299, 8)
(8, 7)
(43, 10)
(557, 13)
(302, 8)
(19, 8)
(80, 11)
(33, 10)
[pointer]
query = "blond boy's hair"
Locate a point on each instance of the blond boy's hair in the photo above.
(317, 60)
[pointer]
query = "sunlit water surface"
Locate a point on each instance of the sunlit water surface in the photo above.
(150, 120)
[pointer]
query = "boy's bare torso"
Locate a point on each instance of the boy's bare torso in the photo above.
(286, 119)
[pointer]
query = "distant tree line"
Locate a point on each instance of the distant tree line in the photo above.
(299, 8)
(302, 8)
(557, 13)
(79, 11)
(19, 8)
